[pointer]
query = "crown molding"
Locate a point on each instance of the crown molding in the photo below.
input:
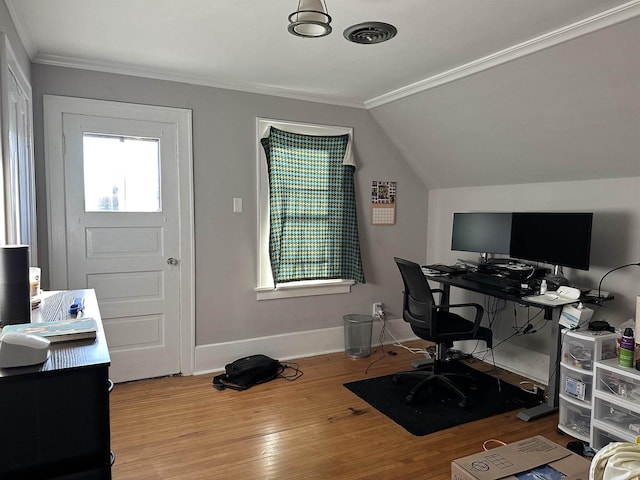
(125, 69)
(22, 28)
(597, 22)
(588, 25)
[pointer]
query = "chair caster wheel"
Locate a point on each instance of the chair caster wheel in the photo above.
(463, 403)
(409, 398)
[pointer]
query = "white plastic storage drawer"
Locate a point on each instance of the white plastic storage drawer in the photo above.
(616, 416)
(576, 384)
(581, 348)
(623, 383)
(601, 436)
(575, 418)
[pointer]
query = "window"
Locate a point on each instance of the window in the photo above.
(313, 244)
(121, 174)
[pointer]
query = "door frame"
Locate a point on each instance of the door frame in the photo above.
(54, 107)
(9, 67)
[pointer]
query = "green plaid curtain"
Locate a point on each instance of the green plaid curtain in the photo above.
(314, 231)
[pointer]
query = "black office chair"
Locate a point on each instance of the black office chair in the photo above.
(434, 322)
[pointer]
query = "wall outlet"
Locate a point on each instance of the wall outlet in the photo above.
(377, 308)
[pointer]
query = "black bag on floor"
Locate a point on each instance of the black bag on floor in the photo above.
(248, 371)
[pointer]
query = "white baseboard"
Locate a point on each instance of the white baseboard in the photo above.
(213, 357)
(529, 364)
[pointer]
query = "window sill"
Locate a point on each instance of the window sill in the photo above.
(304, 289)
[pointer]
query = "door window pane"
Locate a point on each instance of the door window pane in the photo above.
(121, 174)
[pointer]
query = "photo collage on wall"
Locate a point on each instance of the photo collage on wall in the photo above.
(383, 203)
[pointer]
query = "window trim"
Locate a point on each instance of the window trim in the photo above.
(17, 180)
(265, 289)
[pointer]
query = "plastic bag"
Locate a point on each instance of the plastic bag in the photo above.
(616, 461)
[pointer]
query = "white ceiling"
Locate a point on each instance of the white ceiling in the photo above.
(527, 90)
(245, 45)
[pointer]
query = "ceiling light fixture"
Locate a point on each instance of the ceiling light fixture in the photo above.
(310, 20)
(369, 33)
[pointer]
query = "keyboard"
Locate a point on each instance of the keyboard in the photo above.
(437, 267)
(54, 307)
(491, 280)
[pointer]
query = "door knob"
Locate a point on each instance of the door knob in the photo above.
(172, 261)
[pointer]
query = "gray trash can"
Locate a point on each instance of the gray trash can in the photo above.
(357, 335)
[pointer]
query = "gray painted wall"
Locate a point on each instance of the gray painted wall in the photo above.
(564, 113)
(570, 112)
(567, 113)
(616, 230)
(224, 147)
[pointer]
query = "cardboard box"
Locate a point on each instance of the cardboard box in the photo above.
(519, 461)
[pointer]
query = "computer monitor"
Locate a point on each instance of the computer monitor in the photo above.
(482, 232)
(556, 238)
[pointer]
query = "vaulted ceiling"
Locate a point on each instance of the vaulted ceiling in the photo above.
(472, 92)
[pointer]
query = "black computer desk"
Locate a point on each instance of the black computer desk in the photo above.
(551, 313)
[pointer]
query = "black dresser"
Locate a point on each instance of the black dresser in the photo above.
(55, 416)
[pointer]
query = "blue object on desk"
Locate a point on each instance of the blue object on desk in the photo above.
(76, 306)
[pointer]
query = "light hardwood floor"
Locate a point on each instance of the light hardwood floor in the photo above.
(311, 428)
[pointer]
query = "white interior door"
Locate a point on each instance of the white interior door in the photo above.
(122, 197)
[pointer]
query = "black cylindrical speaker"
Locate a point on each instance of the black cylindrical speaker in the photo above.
(15, 299)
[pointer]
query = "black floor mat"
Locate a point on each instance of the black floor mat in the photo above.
(435, 408)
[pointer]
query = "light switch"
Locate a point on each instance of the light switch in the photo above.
(237, 205)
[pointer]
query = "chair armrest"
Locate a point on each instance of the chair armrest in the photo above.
(443, 294)
(479, 312)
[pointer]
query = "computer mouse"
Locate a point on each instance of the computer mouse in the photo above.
(22, 349)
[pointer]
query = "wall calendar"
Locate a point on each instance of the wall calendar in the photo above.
(383, 203)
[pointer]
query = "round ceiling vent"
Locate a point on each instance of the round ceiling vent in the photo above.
(370, 32)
